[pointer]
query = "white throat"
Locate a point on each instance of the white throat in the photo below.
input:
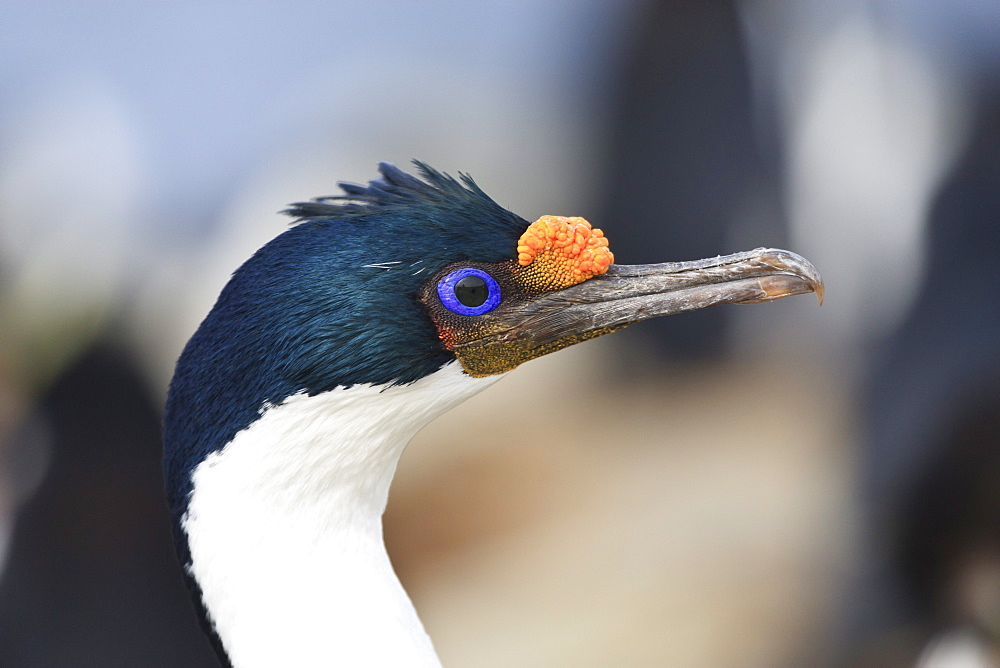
(285, 528)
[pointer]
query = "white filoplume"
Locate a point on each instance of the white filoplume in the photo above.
(285, 527)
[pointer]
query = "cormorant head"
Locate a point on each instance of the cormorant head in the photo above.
(389, 282)
(382, 287)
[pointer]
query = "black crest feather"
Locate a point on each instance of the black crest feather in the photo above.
(396, 189)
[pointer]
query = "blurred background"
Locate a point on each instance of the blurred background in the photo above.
(779, 485)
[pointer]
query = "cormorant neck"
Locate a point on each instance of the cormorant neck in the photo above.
(285, 530)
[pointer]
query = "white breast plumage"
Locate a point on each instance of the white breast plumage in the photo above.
(284, 526)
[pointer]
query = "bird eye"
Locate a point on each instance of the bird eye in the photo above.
(472, 291)
(469, 292)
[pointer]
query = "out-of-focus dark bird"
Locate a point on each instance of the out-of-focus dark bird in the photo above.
(331, 347)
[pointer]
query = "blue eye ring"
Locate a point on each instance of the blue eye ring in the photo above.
(446, 292)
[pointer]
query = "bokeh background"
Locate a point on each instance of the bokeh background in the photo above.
(776, 485)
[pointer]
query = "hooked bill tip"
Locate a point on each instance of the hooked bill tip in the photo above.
(779, 286)
(801, 275)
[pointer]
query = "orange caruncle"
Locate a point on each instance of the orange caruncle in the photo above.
(562, 252)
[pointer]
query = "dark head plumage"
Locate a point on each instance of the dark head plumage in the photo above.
(333, 301)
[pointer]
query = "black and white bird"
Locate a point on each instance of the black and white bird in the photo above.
(377, 311)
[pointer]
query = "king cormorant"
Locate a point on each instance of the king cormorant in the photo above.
(377, 311)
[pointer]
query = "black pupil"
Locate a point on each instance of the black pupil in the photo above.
(472, 291)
